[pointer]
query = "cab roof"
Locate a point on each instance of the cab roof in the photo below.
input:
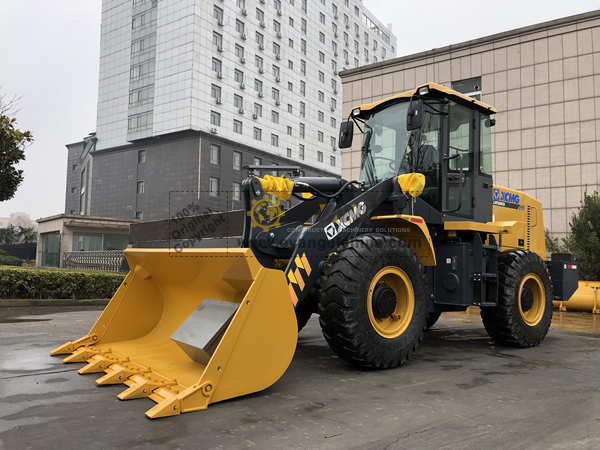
(434, 87)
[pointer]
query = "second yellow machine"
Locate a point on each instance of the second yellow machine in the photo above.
(424, 230)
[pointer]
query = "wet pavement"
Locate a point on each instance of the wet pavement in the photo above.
(459, 391)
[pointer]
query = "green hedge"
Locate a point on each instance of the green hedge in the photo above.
(33, 283)
(6, 260)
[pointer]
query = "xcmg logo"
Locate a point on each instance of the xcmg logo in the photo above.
(508, 197)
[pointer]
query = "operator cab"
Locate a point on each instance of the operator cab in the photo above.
(435, 131)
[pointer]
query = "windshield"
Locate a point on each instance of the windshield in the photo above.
(389, 150)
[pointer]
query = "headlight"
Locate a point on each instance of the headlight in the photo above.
(424, 90)
(356, 112)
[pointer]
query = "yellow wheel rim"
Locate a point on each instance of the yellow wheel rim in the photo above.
(532, 315)
(396, 324)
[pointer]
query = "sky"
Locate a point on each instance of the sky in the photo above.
(49, 56)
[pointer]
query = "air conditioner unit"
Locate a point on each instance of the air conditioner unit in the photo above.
(261, 70)
(261, 46)
(334, 149)
(255, 116)
(243, 60)
(278, 79)
(242, 86)
(220, 22)
(278, 102)
(332, 108)
(336, 53)
(244, 36)
(279, 13)
(279, 35)
(244, 12)
(374, 48)
(347, 25)
(347, 44)
(220, 48)
(278, 57)
(241, 110)
(347, 62)
(263, 24)
(335, 91)
(219, 101)
(335, 34)
(220, 75)
(336, 17)
(214, 130)
(262, 1)
(357, 35)
(261, 95)
(335, 72)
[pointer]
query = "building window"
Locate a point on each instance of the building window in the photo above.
(320, 156)
(334, 9)
(257, 134)
(301, 152)
(260, 39)
(274, 117)
(275, 94)
(217, 39)
(345, 37)
(333, 123)
(143, 70)
(260, 15)
(241, 4)
(302, 88)
(290, 86)
(357, 30)
(356, 46)
(366, 54)
(290, 64)
(289, 152)
(238, 76)
(239, 51)
(291, 22)
(144, 45)
(239, 26)
(334, 47)
(140, 187)
(290, 108)
(215, 118)
(320, 138)
(332, 142)
(355, 62)
(258, 110)
(258, 61)
(289, 130)
(139, 215)
(322, 18)
(304, 5)
(322, 57)
(374, 58)
(470, 87)
(346, 19)
(303, 67)
(144, 20)
(274, 140)
(302, 130)
(334, 28)
(302, 109)
(217, 13)
(332, 160)
(321, 77)
(214, 187)
(276, 26)
(321, 37)
(237, 126)
(236, 192)
(258, 86)
(356, 11)
(333, 84)
(333, 104)
(141, 156)
(321, 96)
(276, 72)
(238, 101)
(73, 190)
(74, 166)
(141, 96)
(291, 43)
(215, 154)
(237, 161)
(321, 116)
(276, 49)
(215, 91)
(303, 46)
(366, 38)
(140, 122)
(216, 65)
(303, 26)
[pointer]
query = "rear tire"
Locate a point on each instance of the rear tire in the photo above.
(358, 289)
(432, 318)
(524, 312)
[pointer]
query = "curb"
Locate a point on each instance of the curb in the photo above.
(15, 303)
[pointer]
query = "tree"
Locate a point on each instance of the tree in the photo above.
(12, 149)
(27, 234)
(8, 235)
(584, 239)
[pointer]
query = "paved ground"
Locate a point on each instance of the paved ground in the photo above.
(460, 391)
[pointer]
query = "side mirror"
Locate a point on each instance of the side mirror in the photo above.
(414, 116)
(346, 133)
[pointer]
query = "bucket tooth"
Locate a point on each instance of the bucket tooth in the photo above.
(168, 407)
(96, 364)
(83, 354)
(70, 347)
(116, 374)
(143, 386)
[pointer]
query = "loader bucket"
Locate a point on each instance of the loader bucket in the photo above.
(191, 328)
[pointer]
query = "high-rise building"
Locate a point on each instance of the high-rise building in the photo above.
(192, 91)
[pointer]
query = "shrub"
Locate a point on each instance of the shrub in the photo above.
(33, 283)
(3, 252)
(6, 260)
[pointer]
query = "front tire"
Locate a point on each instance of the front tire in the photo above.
(374, 301)
(524, 312)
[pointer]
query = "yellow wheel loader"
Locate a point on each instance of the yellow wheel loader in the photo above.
(423, 231)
